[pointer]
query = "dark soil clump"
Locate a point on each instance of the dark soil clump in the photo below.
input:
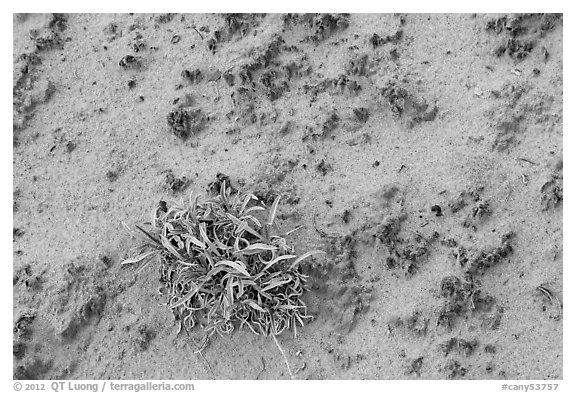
(185, 122)
(175, 184)
(523, 32)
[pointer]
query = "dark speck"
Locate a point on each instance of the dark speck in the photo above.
(112, 176)
(71, 146)
(346, 216)
(437, 209)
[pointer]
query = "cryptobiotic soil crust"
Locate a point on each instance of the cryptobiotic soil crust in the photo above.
(422, 153)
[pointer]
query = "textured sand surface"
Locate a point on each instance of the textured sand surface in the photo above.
(364, 123)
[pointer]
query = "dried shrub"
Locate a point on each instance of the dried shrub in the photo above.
(222, 268)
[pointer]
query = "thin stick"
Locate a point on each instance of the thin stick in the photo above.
(294, 230)
(198, 351)
(200, 34)
(527, 160)
(284, 355)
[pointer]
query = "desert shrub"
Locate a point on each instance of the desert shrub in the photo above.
(222, 267)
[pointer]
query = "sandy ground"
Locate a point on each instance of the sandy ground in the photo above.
(423, 153)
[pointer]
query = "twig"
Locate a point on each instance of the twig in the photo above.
(294, 230)
(527, 160)
(200, 34)
(198, 351)
(301, 368)
(284, 355)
